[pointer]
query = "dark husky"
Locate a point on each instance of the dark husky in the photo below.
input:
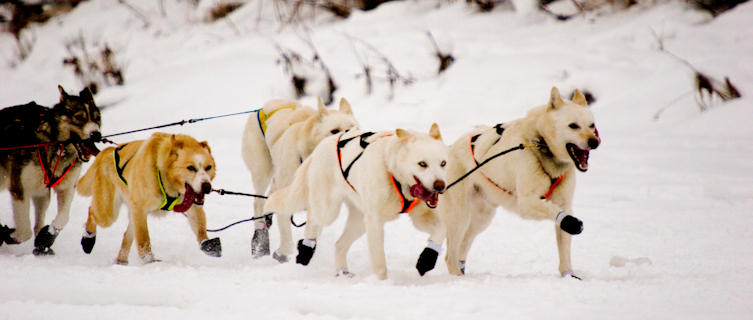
(55, 141)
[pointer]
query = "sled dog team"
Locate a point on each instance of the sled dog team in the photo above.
(306, 159)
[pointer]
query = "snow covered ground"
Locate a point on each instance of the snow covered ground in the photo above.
(667, 204)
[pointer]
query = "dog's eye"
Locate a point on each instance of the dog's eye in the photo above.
(335, 131)
(422, 164)
(80, 117)
(574, 126)
(191, 168)
(592, 126)
(443, 163)
(209, 167)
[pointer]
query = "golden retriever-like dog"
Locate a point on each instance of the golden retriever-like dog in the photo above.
(166, 172)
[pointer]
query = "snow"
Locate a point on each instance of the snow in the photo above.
(666, 203)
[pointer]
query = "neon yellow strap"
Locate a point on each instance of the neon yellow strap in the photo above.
(168, 202)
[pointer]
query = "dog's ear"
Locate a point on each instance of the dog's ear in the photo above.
(579, 98)
(434, 132)
(205, 145)
(320, 106)
(63, 95)
(555, 101)
(345, 106)
(403, 135)
(86, 94)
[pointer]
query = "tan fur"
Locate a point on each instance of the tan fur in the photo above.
(166, 153)
(468, 207)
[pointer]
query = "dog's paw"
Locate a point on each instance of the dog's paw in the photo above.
(570, 274)
(42, 252)
(305, 251)
(121, 262)
(571, 225)
(461, 266)
(427, 260)
(87, 241)
(260, 243)
(281, 258)
(44, 241)
(212, 247)
(5, 235)
(149, 258)
(343, 272)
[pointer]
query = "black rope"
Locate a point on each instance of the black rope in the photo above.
(239, 222)
(518, 147)
(223, 192)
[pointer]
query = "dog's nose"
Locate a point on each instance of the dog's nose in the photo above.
(206, 188)
(95, 136)
(593, 143)
(438, 185)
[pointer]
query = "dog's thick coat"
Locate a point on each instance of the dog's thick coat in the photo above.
(537, 182)
(371, 174)
(164, 172)
(275, 142)
(30, 173)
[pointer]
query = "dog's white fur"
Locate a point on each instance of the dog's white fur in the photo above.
(291, 135)
(320, 188)
(468, 207)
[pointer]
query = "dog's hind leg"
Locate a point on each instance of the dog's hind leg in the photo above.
(354, 229)
(480, 219)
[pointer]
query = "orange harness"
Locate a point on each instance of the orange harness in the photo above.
(554, 181)
(405, 205)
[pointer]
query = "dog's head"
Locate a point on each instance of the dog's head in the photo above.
(78, 119)
(421, 159)
(190, 167)
(331, 122)
(569, 130)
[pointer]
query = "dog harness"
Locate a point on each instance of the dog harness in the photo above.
(168, 202)
(49, 178)
(262, 117)
(405, 205)
(500, 130)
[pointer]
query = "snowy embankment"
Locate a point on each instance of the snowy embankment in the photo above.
(667, 204)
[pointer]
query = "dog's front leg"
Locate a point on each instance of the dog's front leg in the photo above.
(140, 233)
(65, 197)
(125, 246)
(563, 249)
(21, 218)
(375, 238)
(354, 229)
(198, 221)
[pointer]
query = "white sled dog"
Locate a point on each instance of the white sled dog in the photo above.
(276, 140)
(536, 182)
(378, 176)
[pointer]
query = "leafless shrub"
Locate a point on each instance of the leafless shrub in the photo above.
(307, 76)
(22, 14)
(445, 59)
(392, 75)
(222, 9)
(93, 72)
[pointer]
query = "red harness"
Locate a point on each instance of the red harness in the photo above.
(49, 178)
(554, 183)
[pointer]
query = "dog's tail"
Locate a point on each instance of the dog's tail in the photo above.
(291, 198)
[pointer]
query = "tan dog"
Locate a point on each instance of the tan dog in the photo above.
(163, 173)
(537, 182)
(276, 140)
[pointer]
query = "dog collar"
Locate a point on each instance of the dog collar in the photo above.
(262, 117)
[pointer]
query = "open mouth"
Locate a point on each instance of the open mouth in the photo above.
(189, 198)
(85, 150)
(579, 156)
(418, 191)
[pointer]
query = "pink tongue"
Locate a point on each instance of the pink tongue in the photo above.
(188, 199)
(418, 191)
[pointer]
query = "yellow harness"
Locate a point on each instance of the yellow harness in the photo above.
(263, 116)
